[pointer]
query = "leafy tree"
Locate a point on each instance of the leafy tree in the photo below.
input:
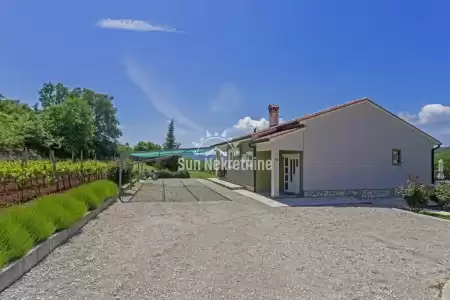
(70, 125)
(52, 94)
(106, 124)
(67, 121)
(146, 146)
(78, 125)
(171, 142)
(124, 148)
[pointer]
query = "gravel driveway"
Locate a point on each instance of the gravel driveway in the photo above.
(242, 249)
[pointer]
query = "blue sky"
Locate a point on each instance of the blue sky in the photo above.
(216, 65)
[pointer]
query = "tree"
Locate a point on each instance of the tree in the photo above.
(106, 124)
(78, 124)
(171, 142)
(124, 148)
(52, 94)
(146, 146)
(70, 125)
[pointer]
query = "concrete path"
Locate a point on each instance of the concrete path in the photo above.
(243, 249)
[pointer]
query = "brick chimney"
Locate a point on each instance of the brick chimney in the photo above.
(273, 114)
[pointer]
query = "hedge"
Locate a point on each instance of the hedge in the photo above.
(24, 226)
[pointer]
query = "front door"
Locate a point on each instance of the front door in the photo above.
(291, 178)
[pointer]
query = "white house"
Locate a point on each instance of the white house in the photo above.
(357, 148)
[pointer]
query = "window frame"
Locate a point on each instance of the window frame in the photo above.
(397, 152)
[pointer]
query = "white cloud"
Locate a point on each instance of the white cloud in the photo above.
(428, 114)
(227, 99)
(129, 24)
(159, 97)
(408, 117)
(434, 113)
(247, 124)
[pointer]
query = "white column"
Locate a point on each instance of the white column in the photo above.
(275, 176)
(218, 157)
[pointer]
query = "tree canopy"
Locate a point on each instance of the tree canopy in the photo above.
(67, 121)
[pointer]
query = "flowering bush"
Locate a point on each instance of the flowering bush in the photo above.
(415, 193)
(442, 192)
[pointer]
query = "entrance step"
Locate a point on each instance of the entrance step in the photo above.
(226, 184)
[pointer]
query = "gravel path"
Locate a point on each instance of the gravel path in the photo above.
(242, 249)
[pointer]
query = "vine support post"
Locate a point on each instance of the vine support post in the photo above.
(55, 176)
(81, 169)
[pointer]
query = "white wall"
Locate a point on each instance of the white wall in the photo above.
(352, 149)
(293, 141)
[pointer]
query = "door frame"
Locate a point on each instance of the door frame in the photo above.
(298, 170)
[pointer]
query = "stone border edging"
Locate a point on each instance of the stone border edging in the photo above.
(12, 272)
(420, 216)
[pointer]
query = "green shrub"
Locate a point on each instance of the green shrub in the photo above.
(415, 193)
(168, 174)
(86, 195)
(74, 206)
(170, 163)
(442, 192)
(104, 189)
(52, 206)
(34, 221)
(23, 226)
(4, 256)
(15, 241)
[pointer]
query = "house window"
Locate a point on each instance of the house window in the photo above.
(396, 157)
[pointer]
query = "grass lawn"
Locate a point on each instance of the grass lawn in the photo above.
(199, 174)
(436, 215)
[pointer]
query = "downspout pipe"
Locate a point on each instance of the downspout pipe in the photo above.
(433, 175)
(253, 145)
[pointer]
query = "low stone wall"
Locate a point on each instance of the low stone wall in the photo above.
(357, 193)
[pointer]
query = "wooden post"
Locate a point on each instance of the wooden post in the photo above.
(55, 176)
(82, 171)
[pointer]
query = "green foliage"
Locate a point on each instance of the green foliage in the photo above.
(442, 192)
(23, 226)
(53, 207)
(34, 221)
(171, 142)
(86, 195)
(169, 174)
(415, 193)
(4, 256)
(444, 154)
(94, 194)
(146, 146)
(70, 121)
(14, 237)
(51, 94)
(170, 163)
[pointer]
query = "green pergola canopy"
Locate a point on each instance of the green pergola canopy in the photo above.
(164, 153)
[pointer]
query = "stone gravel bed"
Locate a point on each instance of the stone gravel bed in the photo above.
(242, 249)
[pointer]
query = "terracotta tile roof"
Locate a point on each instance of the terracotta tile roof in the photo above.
(261, 133)
(280, 130)
(332, 109)
(271, 131)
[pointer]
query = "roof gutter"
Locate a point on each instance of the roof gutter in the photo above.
(433, 180)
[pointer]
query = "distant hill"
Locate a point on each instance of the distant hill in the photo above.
(443, 149)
